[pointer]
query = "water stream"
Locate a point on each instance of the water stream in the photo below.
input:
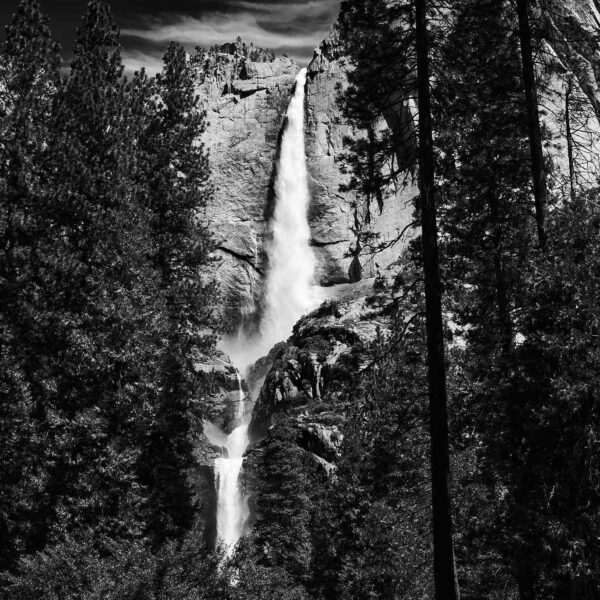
(288, 294)
(232, 504)
(289, 290)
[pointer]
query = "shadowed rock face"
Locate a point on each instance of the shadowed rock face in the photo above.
(328, 347)
(332, 211)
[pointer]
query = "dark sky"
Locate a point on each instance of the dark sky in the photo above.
(291, 26)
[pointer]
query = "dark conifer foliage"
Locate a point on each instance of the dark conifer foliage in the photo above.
(102, 289)
(104, 303)
(30, 79)
(176, 169)
(106, 299)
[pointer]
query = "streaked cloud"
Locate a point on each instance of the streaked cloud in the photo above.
(294, 28)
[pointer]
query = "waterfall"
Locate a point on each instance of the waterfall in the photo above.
(232, 504)
(288, 294)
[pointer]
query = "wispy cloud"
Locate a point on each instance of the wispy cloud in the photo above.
(136, 60)
(291, 27)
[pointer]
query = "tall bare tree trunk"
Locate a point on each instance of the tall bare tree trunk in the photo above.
(533, 121)
(446, 583)
(569, 134)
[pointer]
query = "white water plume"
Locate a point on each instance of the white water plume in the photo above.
(289, 292)
(232, 503)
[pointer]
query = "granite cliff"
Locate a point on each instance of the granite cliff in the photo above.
(246, 97)
(245, 102)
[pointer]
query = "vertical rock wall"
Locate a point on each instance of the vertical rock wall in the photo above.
(332, 213)
(245, 103)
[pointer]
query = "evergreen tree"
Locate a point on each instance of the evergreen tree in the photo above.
(379, 38)
(30, 62)
(177, 171)
(446, 585)
(103, 324)
(533, 120)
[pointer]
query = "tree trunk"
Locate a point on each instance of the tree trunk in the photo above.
(504, 318)
(569, 133)
(533, 122)
(446, 584)
(526, 580)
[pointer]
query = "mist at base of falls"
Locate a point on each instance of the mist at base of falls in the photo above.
(289, 290)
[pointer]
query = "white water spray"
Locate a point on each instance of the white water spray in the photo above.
(232, 504)
(289, 294)
(289, 291)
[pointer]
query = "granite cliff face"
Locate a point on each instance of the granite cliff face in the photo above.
(245, 103)
(246, 91)
(569, 70)
(332, 210)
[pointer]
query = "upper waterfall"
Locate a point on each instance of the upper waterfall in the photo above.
(288, 292)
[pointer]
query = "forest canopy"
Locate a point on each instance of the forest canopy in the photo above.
(468, 463)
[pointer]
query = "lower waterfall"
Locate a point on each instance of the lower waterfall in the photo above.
(232, 504)
(289, 293)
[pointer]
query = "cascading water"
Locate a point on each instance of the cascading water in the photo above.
(289, 287)
(232, 505)
(289, 294)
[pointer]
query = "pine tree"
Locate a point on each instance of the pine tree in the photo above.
(103, 335)
(30, 63)
(533, 121)
(446, 585)
(177, 171)
(379, 38)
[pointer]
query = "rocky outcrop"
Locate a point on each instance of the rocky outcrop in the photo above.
(322, 441)
(301, 413)
(220, 401)
(309, 375)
